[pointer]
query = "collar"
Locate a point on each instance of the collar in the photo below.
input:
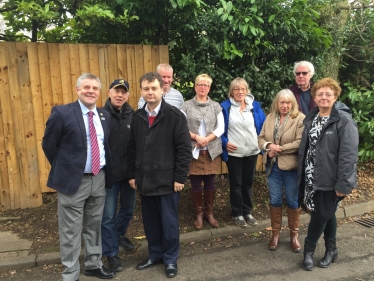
(85, 110)
(155, 111)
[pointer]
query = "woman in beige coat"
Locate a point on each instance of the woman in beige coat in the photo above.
(280, 139)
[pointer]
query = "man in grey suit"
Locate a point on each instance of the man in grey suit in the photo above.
(75, 143)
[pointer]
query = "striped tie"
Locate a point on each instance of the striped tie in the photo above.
(95, 153)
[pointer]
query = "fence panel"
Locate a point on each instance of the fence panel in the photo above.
(34, 77)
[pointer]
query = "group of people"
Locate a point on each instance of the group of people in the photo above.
(101, 156)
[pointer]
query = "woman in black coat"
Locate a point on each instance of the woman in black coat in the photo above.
(328, 156)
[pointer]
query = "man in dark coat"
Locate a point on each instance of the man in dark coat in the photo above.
(159, 155)
(113, 225)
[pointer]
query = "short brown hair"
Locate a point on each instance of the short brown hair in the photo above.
(327, 82)
(150, 77)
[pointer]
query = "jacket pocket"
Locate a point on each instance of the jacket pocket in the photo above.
(163, 174)
(163, 165)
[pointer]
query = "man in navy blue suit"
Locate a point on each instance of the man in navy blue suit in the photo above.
(81, 168)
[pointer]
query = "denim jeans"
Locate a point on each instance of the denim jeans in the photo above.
(276, 181)
(114, 225)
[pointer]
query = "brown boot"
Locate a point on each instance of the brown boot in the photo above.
(293, 225)
(209, 200)
(276, 223)
(197, 199)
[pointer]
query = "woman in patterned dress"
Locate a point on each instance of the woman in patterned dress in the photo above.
(280, 139)
(328, 156)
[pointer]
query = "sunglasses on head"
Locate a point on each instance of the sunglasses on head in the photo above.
(302, 72)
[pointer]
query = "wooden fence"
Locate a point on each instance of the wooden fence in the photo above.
(36, 76)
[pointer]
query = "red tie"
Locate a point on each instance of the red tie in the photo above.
(95, 153)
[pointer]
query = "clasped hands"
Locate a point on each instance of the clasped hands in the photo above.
(201, 141)
(274, 150)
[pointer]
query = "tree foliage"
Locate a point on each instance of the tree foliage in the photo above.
(62, 21)
(254, 39)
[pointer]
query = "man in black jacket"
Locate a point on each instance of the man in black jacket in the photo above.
(114, 226)
(159, 155)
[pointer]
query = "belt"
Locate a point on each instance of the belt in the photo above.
(91, 174)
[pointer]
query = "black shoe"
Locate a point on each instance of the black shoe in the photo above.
(171, 270)
(331, 255)
(147, 264)
(126, 243)
(103, 273)
(115, 263)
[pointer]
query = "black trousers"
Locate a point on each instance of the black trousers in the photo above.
(242, 175)
(318, 226)
(161, 226)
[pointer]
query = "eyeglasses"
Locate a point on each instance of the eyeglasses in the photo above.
(327, 95)
(203, 85)
(239, 89)
(302, 72)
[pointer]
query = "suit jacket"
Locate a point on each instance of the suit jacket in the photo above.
(65, 146)
(289, 140)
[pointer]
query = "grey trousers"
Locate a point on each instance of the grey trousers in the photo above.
(84, 207)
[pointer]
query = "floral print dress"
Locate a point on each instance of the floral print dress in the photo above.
(314, 133)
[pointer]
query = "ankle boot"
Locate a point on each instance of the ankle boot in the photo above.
(309, 249)
(209, 200)
(197, 199)
(293, 225)
(331, 253)
(276, 223)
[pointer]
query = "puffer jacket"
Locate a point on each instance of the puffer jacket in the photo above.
(336, 152)
(289, 140)
(119, 138)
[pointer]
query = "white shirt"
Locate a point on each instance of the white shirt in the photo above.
(99, 134)
(242, 130)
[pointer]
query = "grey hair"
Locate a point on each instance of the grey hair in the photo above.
(88, 76)
(164, 66)
(304, 63)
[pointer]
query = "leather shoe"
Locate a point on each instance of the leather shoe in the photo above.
(171, 270)
(102, 273)
(147, 264)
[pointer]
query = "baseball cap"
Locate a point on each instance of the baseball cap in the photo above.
(119, 82)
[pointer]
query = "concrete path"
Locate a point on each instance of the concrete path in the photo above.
(14, 252)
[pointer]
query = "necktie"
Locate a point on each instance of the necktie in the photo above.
(95, 153)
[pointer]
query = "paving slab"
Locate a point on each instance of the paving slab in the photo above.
(359, 209)
(10, 242)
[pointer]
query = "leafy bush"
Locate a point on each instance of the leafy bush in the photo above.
(361, 102)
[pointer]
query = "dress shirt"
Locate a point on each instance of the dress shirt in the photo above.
(99, 133)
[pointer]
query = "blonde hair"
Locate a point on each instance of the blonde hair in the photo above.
(288, 95)
(237, 82)
(329, 83)
(203, 77)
